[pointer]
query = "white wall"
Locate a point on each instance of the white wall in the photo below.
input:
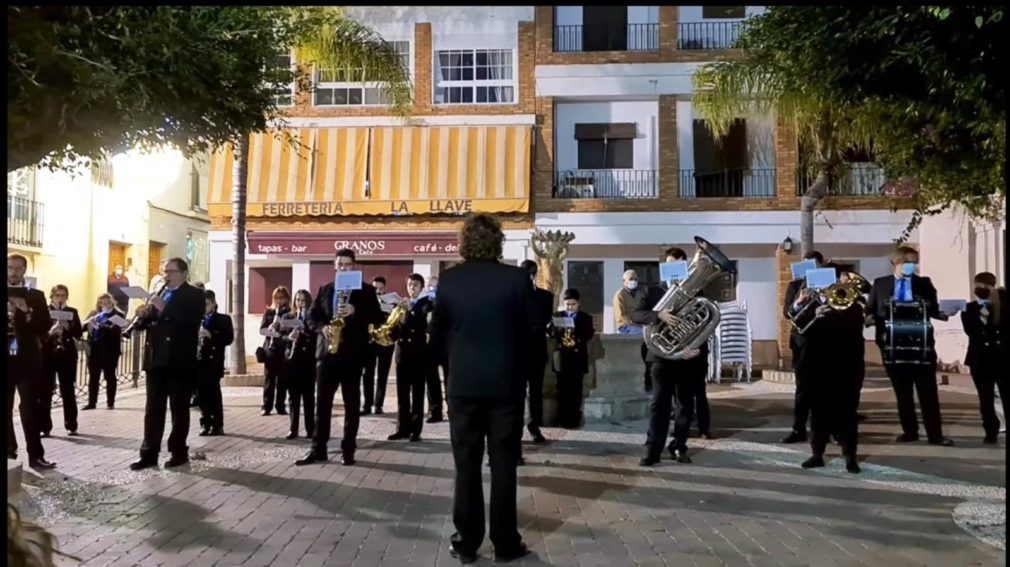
(760, 137)
(643, 113)
(615, 80)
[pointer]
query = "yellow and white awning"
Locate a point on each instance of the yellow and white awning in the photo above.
(380, 171)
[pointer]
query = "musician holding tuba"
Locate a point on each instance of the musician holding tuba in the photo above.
(679, 322)
(59, 363)
(340, 357)
(571, 358)
(301, 365)
(216, 333)
(900, 306)
(413, 359)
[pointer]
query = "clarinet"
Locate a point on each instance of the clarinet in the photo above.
(142, 317)
(205, 342)
(297, 341)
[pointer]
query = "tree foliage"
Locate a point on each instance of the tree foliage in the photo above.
(86, 81)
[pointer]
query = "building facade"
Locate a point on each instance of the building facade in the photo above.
(577, 118)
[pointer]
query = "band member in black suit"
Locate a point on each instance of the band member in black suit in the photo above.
(982, 320)
(796, 294)
(59, 363)
(105, 346)
(172, 320)
(905, 285)
(28, 324)
(274, 383)
(412, 362)
(358, 309)
(483, 325)
(301, 366)
(434, 383)
(571, 359)
(377, 365)
(216, 333)
(674, 382)
(544, 302)
(832, 360)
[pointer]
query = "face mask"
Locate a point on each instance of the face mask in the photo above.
(908, 268)
(982, 293)
(106, 310)
(632, 284)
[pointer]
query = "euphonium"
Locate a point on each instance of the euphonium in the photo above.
(838, 296)
(337, 324)
(697, 317)
(383, 335)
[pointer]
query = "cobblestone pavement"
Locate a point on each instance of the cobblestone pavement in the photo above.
(583, 501)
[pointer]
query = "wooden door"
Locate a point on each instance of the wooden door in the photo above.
(117, 257)
(155, 256)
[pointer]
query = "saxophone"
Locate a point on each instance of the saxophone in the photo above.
(383, 335)
(337, 324)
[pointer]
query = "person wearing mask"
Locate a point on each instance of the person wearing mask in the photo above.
(157, 280)
(380, 360)
(301, 366)
(982, 320)
(117, 281)
(483, 327)
(624, 303)
(60, 363)
(434, 382)
(571, 359)
(359, 308)
(543, 300)
(28, 324)
(105, 346)
(172, 321)
(274, 383)
(412, 362)
(702, 411)
(905, 286)
(831, 359)
(216, 333)
(796, 295)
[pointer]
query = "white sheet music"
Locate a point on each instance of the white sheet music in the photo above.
(135, 292)
(291, 323)
(61, 315)
(564, 322)
(119, 321)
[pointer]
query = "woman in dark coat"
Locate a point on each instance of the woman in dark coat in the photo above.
(300, 371)
(104, 349)
(274, 347)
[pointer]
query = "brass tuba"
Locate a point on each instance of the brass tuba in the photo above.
(383, 335)
(838, 296)
(697, 317)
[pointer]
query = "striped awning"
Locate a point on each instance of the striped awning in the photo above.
(380, 171)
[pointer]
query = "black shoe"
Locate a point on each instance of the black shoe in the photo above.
(311, 458)
(813, 463)
(265, 412)
(990, 440)
(378, 411)
(648, 461)
(347, 460)
(398, 436)
(521, 462)
(12, 456)
(464, 557)
(518, 553)
(906, 438)
(707, 435)
(176, 461)
(204, 432)
(72, 433)
(216, 431)
(943, 442)
(366, 411)
(110, 406)
(143, 464)
(415, 437)
(282, 412)
(292, 435)
(88, 407)
(434, 419)
(860, 417)
(41, 464)
(681, 456)
(795, 437)
(45, 434)
(852, 466)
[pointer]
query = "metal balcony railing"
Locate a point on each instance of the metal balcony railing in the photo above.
(606, 184)
(606, 37)
(750, 183)
(857, 179)
(708, 35)
(24, 221)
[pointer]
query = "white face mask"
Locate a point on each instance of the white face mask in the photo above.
(633, 284)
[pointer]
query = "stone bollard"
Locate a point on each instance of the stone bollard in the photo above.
(616, 390)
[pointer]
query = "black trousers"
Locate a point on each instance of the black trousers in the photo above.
(670, 392)
(986, 381)
(536, 395)
(61, 371)
(99, 366)
(833, 402)
(332, 373)
(499, 421)
(569, 399)
(301, 377)
(410, 381)
(274, 383)
(702, 411)
(801, 401)
(374, 387)
(24, 377)
(173, 386)
(922, 379)
(208, 388)
(434, 384)
(648, 368)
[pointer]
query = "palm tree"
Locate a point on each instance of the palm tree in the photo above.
(334, 42)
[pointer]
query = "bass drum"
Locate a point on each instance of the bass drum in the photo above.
(908, 334)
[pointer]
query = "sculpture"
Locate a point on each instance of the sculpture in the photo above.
(551, 249)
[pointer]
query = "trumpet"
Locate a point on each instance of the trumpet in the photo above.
(337, 324)
(142, 317)
(383, 335)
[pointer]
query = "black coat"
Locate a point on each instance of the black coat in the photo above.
(643, 314)
(573, 360)
(31, 329)
(173, 335)
(275, 346)
(71, 334)
(222, 334)
(412, 334)
(835, 341)
(301, 347)
(880, 297)
(986, 344)
(793, 290)
(354, 340)
(543, 301)
(105, 342)
(483, 325)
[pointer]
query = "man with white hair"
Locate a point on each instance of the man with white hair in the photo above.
(624, 303)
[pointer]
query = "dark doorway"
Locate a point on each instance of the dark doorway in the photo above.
(604, 28)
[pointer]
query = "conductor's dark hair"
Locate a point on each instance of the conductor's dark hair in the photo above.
(481, 239)
(346, 253)
(530, 266)
(677, 253)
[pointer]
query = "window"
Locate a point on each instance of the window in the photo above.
(354, 87)
(587, 277)
(101, 172)
(474, 76)
(606, 154)
(723, 12)
(723, 287)
(285, 91)
(21, 183)
(648, 272)
(196, 195)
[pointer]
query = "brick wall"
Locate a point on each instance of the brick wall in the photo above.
(783, 277)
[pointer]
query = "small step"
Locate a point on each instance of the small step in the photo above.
(779, 376)
(14, 473)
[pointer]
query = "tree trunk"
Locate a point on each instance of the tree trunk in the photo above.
(808, 204)
(238, 290)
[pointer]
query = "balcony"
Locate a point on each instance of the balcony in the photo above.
(746, 183)
(604, 37)
(708, 35)
(606, 184)
(24, 222)
(857, 179)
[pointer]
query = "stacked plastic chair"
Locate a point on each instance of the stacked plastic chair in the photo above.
(733, 341)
